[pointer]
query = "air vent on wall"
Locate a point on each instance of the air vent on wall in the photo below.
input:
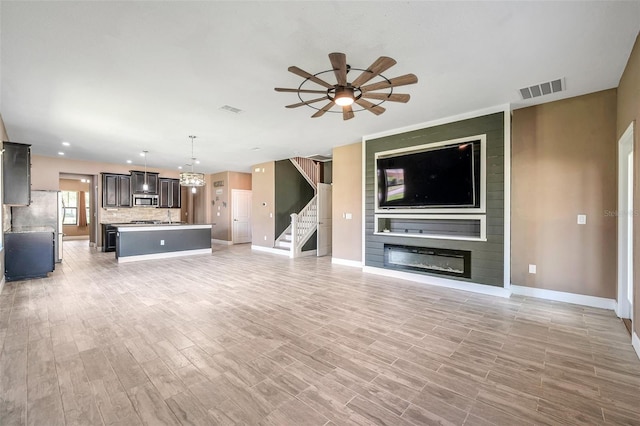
(542, 89)
(319, 157)
(231, 109)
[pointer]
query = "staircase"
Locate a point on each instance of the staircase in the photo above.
(305, 222)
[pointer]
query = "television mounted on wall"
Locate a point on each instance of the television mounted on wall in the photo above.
(443, 176)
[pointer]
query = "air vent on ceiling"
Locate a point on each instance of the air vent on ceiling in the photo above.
(543, 89)
(318, 157)
(230, 109)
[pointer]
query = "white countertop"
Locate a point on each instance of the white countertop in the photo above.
(131, 227)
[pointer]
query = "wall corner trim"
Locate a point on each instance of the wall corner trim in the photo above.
(346, 262)
(270, 250)
(635, 341)
(561, 296)
(440, 282)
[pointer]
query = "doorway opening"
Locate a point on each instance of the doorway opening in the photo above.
(78, 213)
(624, 308)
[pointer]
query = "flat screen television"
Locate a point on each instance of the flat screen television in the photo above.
(438, 177)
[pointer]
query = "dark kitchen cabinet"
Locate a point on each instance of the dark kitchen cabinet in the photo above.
(109, 237)
(16, 174)
(138, 180)
(169, 193)
(29, 254)
(116, 190)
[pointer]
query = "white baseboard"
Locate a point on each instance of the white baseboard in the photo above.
(223, 242)
(561, 296)
(440, 282)
(345, 262)
(308, 253)
(635, 341)
(270, 250)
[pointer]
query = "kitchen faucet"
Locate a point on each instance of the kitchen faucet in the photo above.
(169, 215)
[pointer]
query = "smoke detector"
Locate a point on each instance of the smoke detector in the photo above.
(543, 89)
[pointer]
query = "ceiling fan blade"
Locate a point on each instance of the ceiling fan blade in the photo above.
(394, 97)
(403, 80)
(307, 102)
(381, 64)
(347, 112)
(303, 73)
(324, 109)
(376, 109)
(339, 64)
(280, 89)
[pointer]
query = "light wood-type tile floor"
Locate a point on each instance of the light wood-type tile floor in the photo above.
(254, 338)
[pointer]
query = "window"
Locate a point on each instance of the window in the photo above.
(70, 201)
(87, 203)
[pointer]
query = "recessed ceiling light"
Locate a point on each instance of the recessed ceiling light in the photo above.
(142, 154)
(60, 153)
(197, 161)
(180, 167)
(66, 143)
(128, 161)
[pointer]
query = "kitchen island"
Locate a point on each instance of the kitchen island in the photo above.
(158, 241)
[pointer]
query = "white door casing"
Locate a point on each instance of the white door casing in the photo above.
(324, 219)
(625, 214)
(241, 216)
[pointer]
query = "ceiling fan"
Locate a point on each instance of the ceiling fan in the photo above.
(344, 93)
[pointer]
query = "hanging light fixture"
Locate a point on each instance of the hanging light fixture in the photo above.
(191, 178)
(145, 186)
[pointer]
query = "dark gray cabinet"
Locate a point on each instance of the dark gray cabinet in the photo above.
(16, 174)
(138, 180)
(169, 193)
(108, 237)
(28, 254)
(116, 190)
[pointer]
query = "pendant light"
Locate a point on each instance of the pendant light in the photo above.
(145, 186)
(191, 178)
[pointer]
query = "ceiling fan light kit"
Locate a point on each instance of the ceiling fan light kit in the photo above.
(344, 93)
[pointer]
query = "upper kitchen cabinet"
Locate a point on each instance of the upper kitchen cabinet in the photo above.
(169, 193)
(16, 174)
(116, 190)
(138, 180)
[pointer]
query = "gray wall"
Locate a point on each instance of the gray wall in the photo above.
(487, 258)
(292, 193)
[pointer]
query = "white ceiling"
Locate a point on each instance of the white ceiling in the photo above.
(116, 78)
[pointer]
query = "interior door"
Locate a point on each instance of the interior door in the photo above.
(241, 214)
(324, 219)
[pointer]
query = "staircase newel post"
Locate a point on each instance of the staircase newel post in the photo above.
(294, 235)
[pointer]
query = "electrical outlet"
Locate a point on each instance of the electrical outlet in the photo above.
(161, 242)
(532, 269)
(265, 238)
(582, 219)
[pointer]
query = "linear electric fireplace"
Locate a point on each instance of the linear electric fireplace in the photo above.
(455, 263)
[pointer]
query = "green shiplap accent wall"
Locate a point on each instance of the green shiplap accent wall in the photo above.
(293, 192)
(487, 257)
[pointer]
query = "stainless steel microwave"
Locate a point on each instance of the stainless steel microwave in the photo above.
(145, 200)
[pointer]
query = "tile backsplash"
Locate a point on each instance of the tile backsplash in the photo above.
(124, 215)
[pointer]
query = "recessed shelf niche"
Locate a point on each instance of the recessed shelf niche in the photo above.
(446, 227)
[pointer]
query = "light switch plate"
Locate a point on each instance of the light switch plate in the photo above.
(348, 216)
(582, 219)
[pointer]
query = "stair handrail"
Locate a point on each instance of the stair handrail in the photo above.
(309, 169)
(303, 225)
